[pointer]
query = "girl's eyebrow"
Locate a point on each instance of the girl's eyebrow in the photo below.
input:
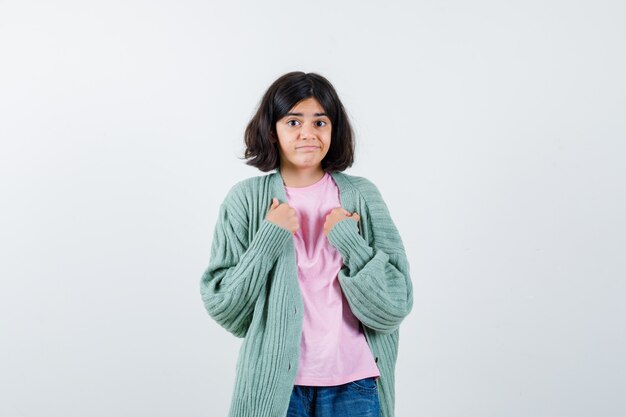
(301, 114)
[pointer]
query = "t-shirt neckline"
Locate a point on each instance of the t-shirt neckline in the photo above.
(311, 186)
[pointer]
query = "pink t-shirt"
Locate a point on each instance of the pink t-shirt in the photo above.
(333, 348)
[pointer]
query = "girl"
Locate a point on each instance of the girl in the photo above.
(307, 266)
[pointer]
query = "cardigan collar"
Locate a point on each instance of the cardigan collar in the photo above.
(346, 188)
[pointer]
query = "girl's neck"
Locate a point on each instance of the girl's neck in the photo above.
(301, 177)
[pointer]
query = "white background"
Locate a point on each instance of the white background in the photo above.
(495, 131)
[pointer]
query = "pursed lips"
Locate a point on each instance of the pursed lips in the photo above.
(307, 146)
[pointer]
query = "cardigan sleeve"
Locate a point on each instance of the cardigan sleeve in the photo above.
(237, 271)
(375, 279)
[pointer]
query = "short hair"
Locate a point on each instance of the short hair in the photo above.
(288, 90)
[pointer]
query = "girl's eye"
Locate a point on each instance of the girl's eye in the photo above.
(320, 123)
(292, 122)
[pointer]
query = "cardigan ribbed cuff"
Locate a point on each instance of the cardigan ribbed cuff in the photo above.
(346, 238)
(270, 239)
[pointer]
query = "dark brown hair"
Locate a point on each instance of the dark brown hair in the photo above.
(287, 91)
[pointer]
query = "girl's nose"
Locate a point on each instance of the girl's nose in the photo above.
(307, 131)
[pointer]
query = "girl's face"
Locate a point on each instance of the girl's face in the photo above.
(303, 135)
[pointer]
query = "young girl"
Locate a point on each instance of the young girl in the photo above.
(307, 266)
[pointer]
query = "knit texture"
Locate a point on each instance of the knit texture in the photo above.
(250, 288)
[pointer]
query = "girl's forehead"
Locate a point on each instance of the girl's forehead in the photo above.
(308, 105)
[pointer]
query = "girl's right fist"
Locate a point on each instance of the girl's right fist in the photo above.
(283, 215)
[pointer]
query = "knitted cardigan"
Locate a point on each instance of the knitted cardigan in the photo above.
(251, 288)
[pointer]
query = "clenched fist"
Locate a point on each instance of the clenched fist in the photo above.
(283, 215)
(337, 214)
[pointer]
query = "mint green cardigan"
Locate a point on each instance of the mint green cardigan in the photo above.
(250, 288)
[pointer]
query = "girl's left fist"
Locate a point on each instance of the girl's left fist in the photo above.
(336, 215)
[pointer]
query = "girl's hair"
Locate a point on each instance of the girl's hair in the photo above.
(287, 91)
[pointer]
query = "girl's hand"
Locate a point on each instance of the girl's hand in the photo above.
(283, 215)
(337, 214)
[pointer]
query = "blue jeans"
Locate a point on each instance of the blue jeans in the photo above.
(354, 399)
